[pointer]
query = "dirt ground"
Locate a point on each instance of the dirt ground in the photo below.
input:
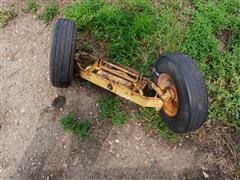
(34, 145)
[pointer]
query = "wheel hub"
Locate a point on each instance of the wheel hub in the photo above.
(165, 82)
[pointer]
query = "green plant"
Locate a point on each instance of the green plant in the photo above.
(152, 120)
(119, 118)
(6, 15)
(136, 32)
(49, 12)
(221, 68)
(69, 123)
(111, 108)
(31, 6)
(87, 48)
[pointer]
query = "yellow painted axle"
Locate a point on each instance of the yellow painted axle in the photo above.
(120, 80)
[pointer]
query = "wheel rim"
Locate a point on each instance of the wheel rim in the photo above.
(165, 82)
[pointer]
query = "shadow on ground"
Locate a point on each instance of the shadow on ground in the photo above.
(109, 152)
(52, 149)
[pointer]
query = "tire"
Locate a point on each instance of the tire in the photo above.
(62, 53)
(191, 91)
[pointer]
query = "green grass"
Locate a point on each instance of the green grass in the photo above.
(111, 108)
(49, 12)
(135, 32)
(69, 123)
(87, 47)
(151, 120)
(31, 6)
(6, 15)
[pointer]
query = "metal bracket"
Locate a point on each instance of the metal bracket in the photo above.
(120, 80)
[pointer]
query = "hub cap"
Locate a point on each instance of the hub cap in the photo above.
(165, 82)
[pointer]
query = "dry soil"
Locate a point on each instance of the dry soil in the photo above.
(33, 144)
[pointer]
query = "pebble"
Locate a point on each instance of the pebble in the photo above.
(174, 148)
(75, 162)
(65, 165)
(137, 138)
(205, 175)
(117, 141)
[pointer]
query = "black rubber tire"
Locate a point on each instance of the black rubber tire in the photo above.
(191, 90)
(62, 53)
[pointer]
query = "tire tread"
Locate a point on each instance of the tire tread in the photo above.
(62, 53)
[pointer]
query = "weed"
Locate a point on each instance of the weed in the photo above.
(119, 118)
(49, 12)
(31, 6)
(6, 15)
(152, 120)
(221, 69)
(82, 129)
(108, 107)
(69, 123)
(111, 108)
(87, 48)
(136, 32)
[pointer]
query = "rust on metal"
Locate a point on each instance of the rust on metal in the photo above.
(170, 106)
(121, 80)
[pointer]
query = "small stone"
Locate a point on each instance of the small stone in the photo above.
(137, 138)
(75, 162)
(22, 110)
(205, 174)
(117, 141)
(65, 165)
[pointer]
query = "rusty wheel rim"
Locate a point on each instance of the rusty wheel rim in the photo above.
(165, 82)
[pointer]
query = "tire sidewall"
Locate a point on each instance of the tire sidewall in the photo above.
(180, 122)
